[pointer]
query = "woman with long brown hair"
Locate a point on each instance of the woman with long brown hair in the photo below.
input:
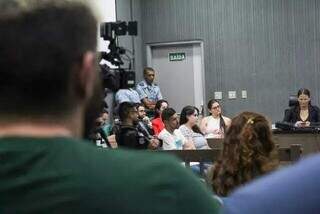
(248, 152)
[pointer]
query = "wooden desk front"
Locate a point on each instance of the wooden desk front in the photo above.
(310, 142)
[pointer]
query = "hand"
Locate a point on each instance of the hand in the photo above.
(302, 124)
(154, 143)
(189, 145)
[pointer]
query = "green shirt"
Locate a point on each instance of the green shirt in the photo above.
(64, 175)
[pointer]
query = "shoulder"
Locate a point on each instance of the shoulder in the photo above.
(205, 119)
(156, 121)
(315, 108)
(258, 191)
(183, 128)
(142, 84)
(178, 133)
(226, 119)
(163, 134)
(106, 177)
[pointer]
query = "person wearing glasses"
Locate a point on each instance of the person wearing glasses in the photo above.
(190, 129)
(214, 126)
(304, 114)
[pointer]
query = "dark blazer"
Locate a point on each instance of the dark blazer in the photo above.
(292, 115)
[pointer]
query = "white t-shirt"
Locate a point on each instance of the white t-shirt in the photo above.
(213, 129)
(173, 141)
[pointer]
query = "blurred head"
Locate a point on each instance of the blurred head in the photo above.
(141, 111)
(170, 119)
(214, 107)
(128, 112)
(189, 114)
(303, 97)
(160, 106)
(248, 152)
(148, 74)
(53, 72)
(105, 116)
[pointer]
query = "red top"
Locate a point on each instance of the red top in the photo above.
(157, 125)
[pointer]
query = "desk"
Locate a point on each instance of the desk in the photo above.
(310, 141)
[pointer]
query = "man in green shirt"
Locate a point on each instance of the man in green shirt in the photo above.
(48, 84)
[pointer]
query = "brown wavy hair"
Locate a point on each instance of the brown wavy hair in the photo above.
(248, 152)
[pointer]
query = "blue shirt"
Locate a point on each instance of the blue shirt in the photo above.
(152, 92)
(127, 95)
(295, 189)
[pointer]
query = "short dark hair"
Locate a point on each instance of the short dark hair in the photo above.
(139, 105)
(124, 110)
(167, 113)
(42, 46)
(147, 69)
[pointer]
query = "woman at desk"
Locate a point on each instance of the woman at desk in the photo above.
(303, 114)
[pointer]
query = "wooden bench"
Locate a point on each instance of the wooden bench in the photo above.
(291, 154)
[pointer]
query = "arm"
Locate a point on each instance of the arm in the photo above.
(203, 125)
(155, 127)
(148, 103)
(227, 121)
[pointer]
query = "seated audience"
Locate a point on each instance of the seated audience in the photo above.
(49, 93)
(190, 129)
(248, 152)
(293, 190)
(215, 125)
(303, 114)
(157, 123)
(129, 135)
(171, 136)
(142, 116)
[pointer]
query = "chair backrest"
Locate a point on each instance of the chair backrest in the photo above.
(293, 101)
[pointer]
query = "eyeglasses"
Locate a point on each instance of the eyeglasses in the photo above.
(215, 107)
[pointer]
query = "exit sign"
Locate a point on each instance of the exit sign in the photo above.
(177, 56)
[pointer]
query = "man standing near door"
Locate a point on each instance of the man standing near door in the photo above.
(149, 92)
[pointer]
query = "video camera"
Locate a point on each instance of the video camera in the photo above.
(120, 77)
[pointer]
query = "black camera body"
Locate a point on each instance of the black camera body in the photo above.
(110, 30)
(119, 78)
